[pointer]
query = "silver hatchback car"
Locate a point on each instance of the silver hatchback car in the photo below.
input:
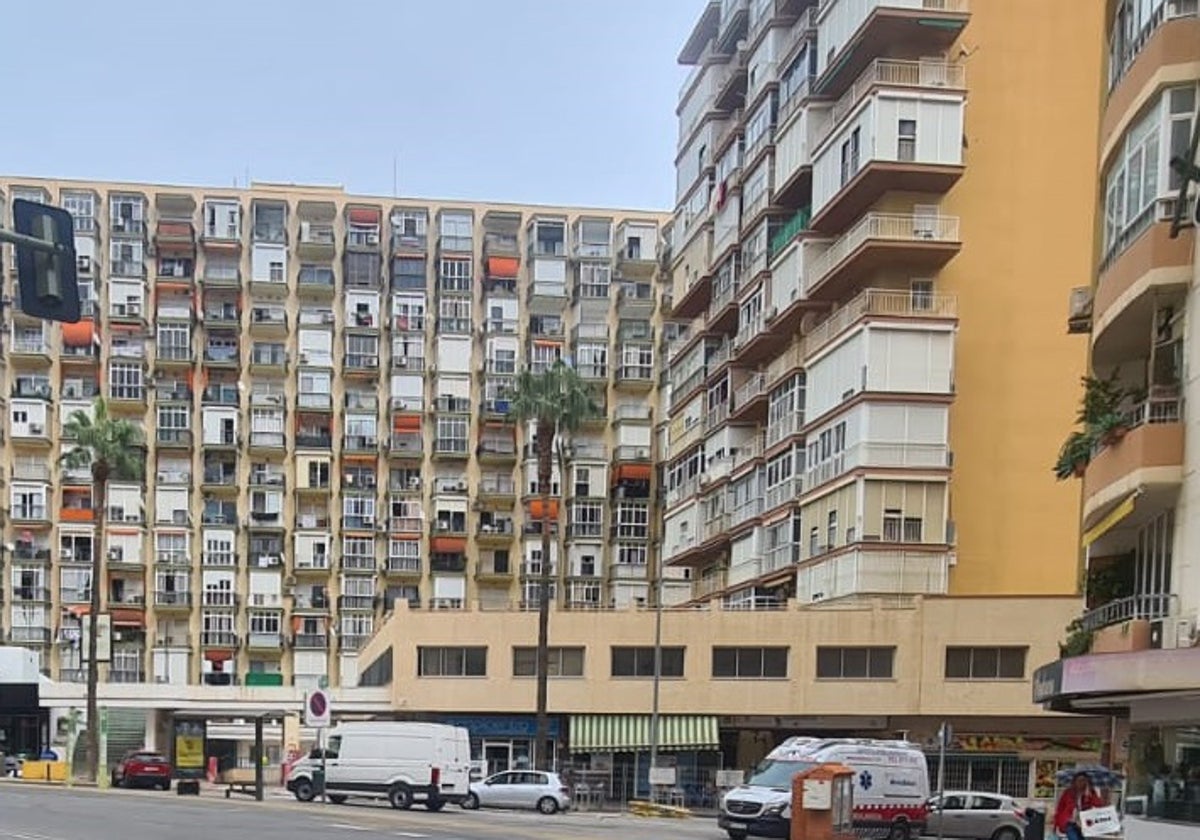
(976, 816)
(520, 789)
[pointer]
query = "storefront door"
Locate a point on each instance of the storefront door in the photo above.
(497, 756)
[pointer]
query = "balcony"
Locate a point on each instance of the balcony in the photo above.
(219, 598)
(877, 455)
(498, 533)
(25, 514)
(403, 567)
(1149, 458)
(497, 450)
(407, 445)
(31, 349)
(268, 359)
(264, 642)
(358, 364)
(497, 488)
(173, 438)
(750, 400)
(172, 600)
(863, 572)
(356, 602)
(360, 444)
(30, 595)
(1130, 608)
(222, 639)
(634, 377)
(869, 28)
(308, 437)
(267, 440)
(222, 355)
(268, 320)
(922, 154)
(451, 448)
(893, 241)
(316, 282)
(24, 635)
(887, 304)
(310, 641)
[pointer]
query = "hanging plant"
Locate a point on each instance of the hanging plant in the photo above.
(1074, 456)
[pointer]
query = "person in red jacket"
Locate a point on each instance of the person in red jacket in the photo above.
(1080, 796)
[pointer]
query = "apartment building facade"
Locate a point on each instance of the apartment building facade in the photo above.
(323, 385)
(1133, 651)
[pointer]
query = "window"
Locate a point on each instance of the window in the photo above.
(563, 662)
(75, 585)
(906, 140)
(451, 661)
(855, 663)
(586, 519)
(455, 228)
(750, 663)
(362, 269)
(850, 158)
(125, 381)
(218, 550)
(454, 275)
(985, 663)
(639, 662)
(379, 672)
(1141, 172)
(452, 434)
(454, 315)
(82, 207)
(633, 521)
(266, 623)
(631, 555)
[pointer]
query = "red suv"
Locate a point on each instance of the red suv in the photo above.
(142, 768)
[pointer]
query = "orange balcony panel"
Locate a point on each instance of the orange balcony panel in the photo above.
(406, 423)
(876, 179)
(536, 509)
(1129, 281)
(503, 268)
(76, 515)
(1173, 42)
(631, 472)
(175, 236)
(80, 334)
(448, 545)
(121, 616)
(924, 31)
(1148, 456)
(364, 215)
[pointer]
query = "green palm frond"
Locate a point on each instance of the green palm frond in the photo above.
(557, 396)
(102, 439)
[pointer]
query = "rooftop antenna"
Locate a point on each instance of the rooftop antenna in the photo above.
(395, 175)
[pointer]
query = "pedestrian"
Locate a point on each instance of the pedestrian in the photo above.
(1080, 796)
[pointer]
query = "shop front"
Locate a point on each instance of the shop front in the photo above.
(1154, 695)
(24, 725)
(612, 753)
(505, 742)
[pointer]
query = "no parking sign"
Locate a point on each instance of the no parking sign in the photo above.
(316, 708)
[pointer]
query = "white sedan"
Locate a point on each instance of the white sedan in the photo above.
(535, 789)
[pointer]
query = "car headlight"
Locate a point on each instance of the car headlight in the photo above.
(775, 810)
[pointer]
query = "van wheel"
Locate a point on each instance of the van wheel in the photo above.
(1006, 834)
(899, 831)
(471, 803)
(434, 804)
(736, 835)
(337, 798)
(303, 790)
(547, 805)
(400, 797)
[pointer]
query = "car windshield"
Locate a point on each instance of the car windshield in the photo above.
(150, 758)
(778, 774)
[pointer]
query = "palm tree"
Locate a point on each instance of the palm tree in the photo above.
(556, 400)
(112, 449)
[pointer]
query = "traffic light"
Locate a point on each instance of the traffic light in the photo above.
(45, 241)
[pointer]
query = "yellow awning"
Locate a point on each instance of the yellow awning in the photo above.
(1110, 519)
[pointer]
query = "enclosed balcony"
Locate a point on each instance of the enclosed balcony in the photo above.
(317, 240)
(313, 431)
(917, 243)
(222, 351)
(898, 129)
(222, 231)
(363, 226)
(316, 281)
(864, 571)
(853, 32)
(410, 231)
(497, 444)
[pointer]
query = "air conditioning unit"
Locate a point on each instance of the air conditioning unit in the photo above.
(66, 554)
(115, 555)
(1171, 633)
(37, 429)
(373, 238)
(368, 522)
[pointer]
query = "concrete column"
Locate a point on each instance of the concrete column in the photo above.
(1185, 565)
(152, 739)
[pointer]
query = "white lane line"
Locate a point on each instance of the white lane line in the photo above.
(346, 827)
(410, 834)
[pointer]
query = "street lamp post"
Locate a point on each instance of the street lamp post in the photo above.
(658, 591)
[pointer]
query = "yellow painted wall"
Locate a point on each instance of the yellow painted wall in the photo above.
(1027, 204)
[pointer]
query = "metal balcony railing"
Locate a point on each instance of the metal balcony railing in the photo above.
(1147, 607)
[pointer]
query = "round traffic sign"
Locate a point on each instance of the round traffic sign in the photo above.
(318, 704)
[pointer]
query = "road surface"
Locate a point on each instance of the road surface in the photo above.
(30, 812)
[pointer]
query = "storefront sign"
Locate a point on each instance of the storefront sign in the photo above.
(1047, 682)
(501, 726)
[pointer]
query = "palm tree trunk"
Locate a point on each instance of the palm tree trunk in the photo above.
(545, 444)
(93, 665)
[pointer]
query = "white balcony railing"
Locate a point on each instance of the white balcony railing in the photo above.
(879, 454)
(889, 227)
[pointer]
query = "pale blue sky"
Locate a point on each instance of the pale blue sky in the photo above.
(553, 101)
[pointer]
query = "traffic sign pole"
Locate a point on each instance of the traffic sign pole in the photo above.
(323, 742)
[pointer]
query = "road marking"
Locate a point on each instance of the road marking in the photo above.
(410, 834)
(347, 827)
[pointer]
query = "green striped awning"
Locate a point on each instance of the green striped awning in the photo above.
(626, 733)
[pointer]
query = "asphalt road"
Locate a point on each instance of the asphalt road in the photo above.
(46, 813)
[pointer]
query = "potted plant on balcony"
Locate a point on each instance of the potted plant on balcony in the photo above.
(1074, 456)
(1078, 641)
(1100, 410)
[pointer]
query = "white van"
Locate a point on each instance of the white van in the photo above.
(399, 761)
(891, 788)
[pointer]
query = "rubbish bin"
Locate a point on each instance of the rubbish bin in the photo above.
(1035, 824)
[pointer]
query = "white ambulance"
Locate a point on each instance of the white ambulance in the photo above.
(891, 788)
